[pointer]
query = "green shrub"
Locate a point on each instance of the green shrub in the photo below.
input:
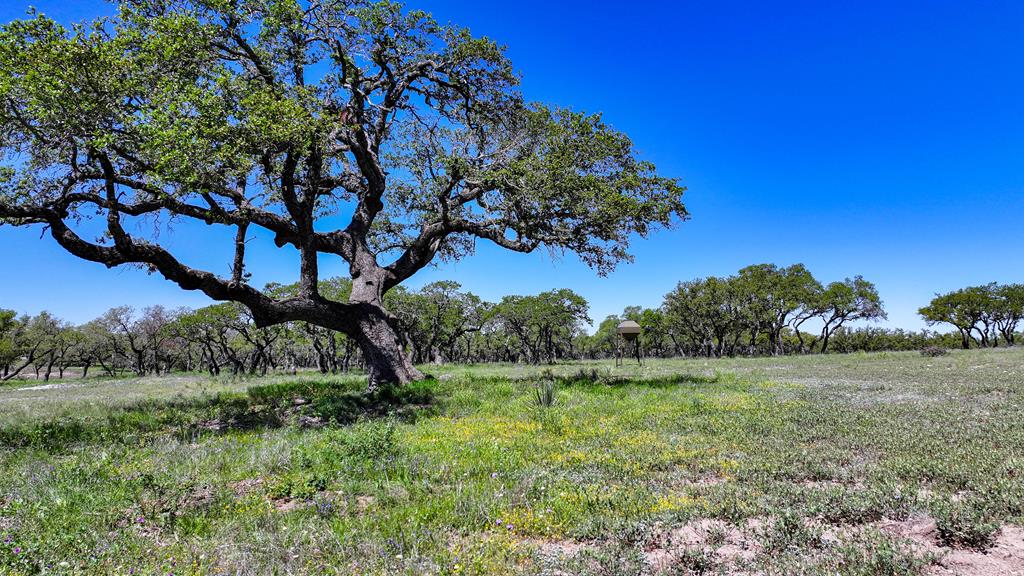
(694, 561)
(788, 531)
(965, 525)
(873, 554)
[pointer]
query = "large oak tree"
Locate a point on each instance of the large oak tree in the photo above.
(278, 113)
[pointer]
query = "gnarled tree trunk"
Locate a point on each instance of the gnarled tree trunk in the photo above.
(386, 360)
(377, 332)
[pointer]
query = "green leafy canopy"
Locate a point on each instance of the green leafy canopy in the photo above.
(277, 113)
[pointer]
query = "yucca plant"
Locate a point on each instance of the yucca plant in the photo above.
(544, 393)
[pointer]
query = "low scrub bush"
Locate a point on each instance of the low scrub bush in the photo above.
(791, 531)
(874, 554)
(695, 562)
(320, 462)
(965, 525)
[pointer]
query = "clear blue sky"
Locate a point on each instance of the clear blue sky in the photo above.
(877, 138)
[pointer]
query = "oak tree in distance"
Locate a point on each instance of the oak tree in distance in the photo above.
(277, 114)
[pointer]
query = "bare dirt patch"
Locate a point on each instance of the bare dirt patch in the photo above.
(557, 548)
(727, 544)
(51, 387)
(288, 504)
(919, 531)
(704, 481)
(733, 549)
(363, 503)
(1004, 558)
(242, 488)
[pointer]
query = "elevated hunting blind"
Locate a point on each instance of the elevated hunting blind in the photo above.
(628, 331)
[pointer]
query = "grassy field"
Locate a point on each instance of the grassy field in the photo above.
(847, 464)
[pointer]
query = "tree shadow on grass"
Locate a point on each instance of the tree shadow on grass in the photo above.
(296, 404)
(596, 377)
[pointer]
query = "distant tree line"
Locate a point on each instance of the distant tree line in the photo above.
(761, 310)
(982, 315)
(440, 323)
